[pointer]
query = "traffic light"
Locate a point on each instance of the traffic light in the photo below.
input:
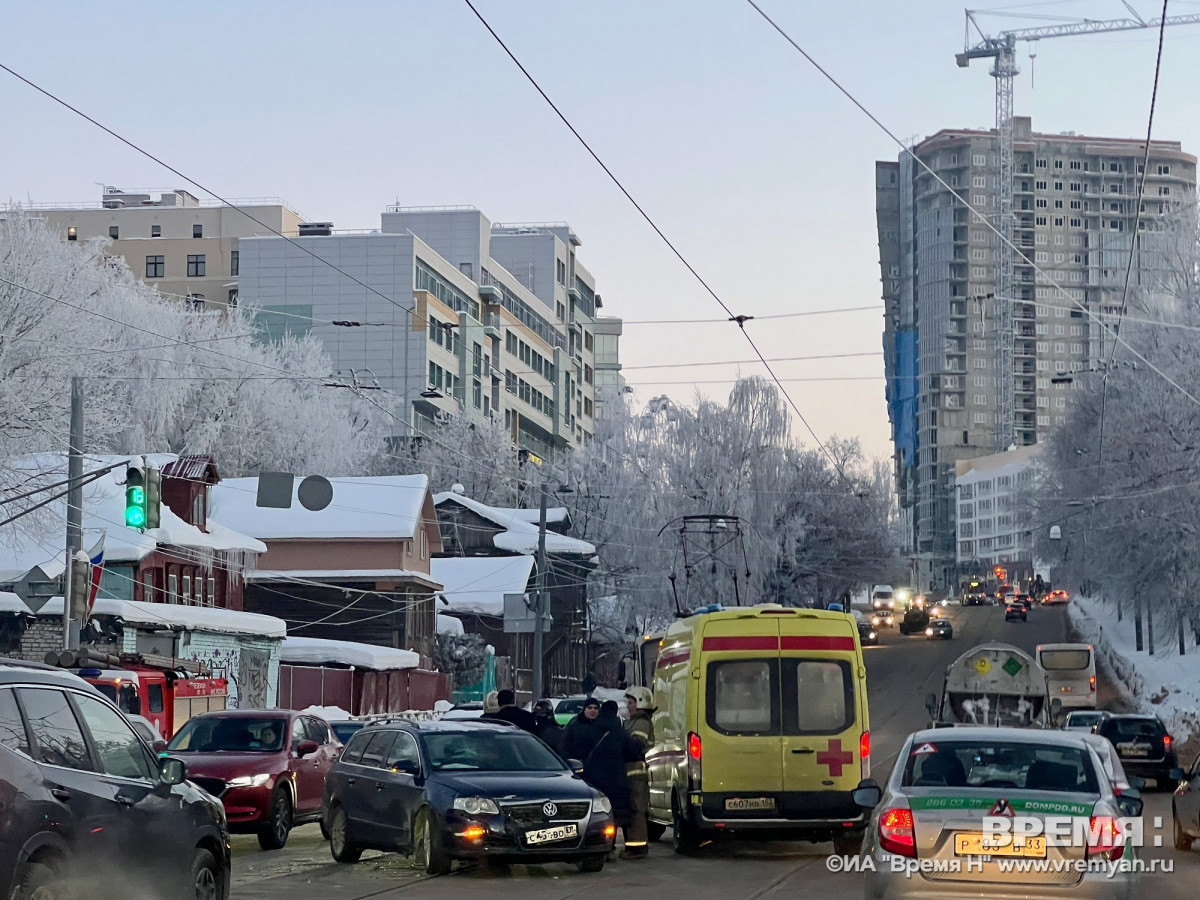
(81, 586)
(135, 494)
(153, 497)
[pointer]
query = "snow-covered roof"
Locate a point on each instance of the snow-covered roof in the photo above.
(449, 625)
(334, 574)
(190, 618)
(477, 584)
(328, 713)
(555, 515)
(319, 651)
(11, 603)
(384, 507)
(519, 535)
(40, 542)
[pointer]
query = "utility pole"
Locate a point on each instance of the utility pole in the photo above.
(540, 605)
(74, 509)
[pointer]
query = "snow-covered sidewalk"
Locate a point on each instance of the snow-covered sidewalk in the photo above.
(1166, 685)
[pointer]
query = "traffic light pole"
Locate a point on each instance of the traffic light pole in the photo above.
(74, 509)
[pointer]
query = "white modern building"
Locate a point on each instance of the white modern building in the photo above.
(991, 530)
(445, 312)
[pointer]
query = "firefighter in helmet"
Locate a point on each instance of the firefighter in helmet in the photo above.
(640, 728)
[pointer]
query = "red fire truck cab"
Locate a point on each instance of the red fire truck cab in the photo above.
(162, 690)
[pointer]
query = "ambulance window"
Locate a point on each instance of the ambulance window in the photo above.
(743, 697)
(156, 698)
(818, 696)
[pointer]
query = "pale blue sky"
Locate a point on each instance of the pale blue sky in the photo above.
(754, 165)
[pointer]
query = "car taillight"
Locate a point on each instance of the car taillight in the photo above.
(864, 754)
(694, 746)
(1092, 683)
(1166, 742)
(1103, 838)
(896, 833)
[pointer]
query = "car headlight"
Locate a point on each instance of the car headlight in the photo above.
(871, 636)
(929, 632)
(473, 806)
(602, 804)
(250, 780)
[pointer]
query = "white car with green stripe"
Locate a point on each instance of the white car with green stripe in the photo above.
(934, 832)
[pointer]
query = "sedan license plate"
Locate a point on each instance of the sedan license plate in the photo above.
(966, 844)
(742, 804)
(546, 835)
(1133, 749)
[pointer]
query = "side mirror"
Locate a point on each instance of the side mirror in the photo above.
(867, 794)
(575, 766)
(306, 748)
(159, 746)
(171, 771)
(1056, 707)
(931, 704)
(1176, 775)
(1131, 803)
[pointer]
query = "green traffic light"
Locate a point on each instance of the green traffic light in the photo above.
(135, 506)
(137, 496)
(135, 517)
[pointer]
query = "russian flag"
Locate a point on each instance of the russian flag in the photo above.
(96, 556)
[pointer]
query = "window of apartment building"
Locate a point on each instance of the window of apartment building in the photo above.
(1059, 330)
(1041, 185)
(979, 363)
(1039, 239)
(1164, 190)
(1076, 330)
(1040, 220)
(980, 381)
(476, 394)
(1060, 312)
(155, 267)
(195, 301)
(1115, 189)
(1058, 204)
(979, 399)
(979, 181)
(1043, 347)
(114, 232)
(197, 231)
(1043, 401)
(1060, 348)
(1042, 365)
(1058, 221)
(1058, 164)
(1116, 167)
(979, 255)
(1077, 349)
(977, 345)
(589, 343)
(172, 588)
(1075, 223)
(980, 159)
(1060, 402)
(1041, 256)
(1039, 164)
(1058, 185)
(1114, 207)
(560, 269)
(1040, 328)
(1164, 170)
(588, 408)
(1041, 203)
(978, 272)
(1043, 383)
(234, 262)
(1116, 225)
(561, 312)
(195, 265)
(1075, 185)
(72, 233)
(476, 360)
(587, 374)
(979, 200)
(155, 231)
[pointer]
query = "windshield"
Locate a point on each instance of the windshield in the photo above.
(572, 706)
(1066, 659)
(1085, 719)
(1124, 729)
(234, 735)
(1013, 765)
(507, 751)
(127, 699)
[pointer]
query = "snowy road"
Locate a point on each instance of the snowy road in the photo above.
(901, 671)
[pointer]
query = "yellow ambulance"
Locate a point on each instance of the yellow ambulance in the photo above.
(761, 727)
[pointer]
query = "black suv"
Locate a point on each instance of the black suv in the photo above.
(462, 789)
(84, 801)
(1144, 747)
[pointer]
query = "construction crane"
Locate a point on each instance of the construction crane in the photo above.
(1002, 49)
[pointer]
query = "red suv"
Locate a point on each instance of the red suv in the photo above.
(267, 766)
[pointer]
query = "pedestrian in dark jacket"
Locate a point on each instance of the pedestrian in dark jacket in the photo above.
(583, 732)
(510, 712)
(545, 727)
(604, 767)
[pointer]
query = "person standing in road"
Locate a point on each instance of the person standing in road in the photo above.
(597, 739)
(583, 732)
(510, 712)
(640, 729)
(545, 727)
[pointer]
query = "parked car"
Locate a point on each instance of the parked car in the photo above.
(1014, 611)
(567, 708)
(1084, 720)
(344, 729)
(867, 636)
(86, 809)
(1144, 746)
(1126, 787)
(147, 731)
(940, 630)
(462, 790)
(267, 766)
(1055, 598)
(883, 618)
(1026, 601)
(465, 711)
(1185, 806)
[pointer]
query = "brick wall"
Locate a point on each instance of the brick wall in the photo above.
(45, 635)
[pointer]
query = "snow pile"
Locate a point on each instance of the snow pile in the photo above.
(190, 618)
(11, 603)
(519, 536)
(477, 584)
(1166, 685)
(449, 625)
(319, 651)
(328, 713)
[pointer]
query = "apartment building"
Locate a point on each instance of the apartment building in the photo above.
(990, 529)
(182, 245)
(1076, 202)
(446, 312)
(610, 384)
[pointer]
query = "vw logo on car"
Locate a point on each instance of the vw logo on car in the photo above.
(550, 809)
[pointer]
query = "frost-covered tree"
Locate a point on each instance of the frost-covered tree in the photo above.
(479, 454)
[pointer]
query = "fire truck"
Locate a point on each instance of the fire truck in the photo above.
(163, 689)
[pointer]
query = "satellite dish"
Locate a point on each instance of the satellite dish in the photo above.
(315, 493)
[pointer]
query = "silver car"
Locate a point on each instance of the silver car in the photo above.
(926, 838)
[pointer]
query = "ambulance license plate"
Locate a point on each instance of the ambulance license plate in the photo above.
(743, 804)
(546, 835)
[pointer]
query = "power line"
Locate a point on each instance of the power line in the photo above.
(786, 380)
(739, 362)
(733, 317)
(792, 315)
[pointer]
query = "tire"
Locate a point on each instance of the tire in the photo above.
(1182, 840)
(274, 834)
(428, 852)
(592, 863)
(36, 882)
(207, 879)
(685, 833)
(341, 848)
(655, 831)
(848, 843)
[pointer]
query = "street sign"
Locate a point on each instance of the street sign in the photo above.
(519, 617)
(275, 490)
